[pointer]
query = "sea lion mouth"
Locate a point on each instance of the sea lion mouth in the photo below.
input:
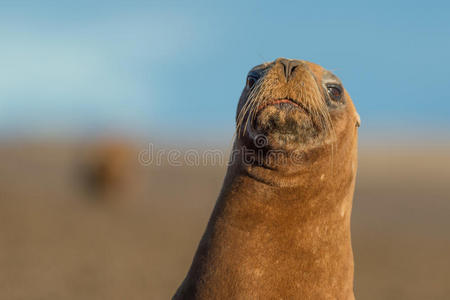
(284, 121)
(280, 109)
(282, 102)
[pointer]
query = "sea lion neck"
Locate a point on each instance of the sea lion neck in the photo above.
(280, 168)
(269, 241)
(265, 241)
(310, 180)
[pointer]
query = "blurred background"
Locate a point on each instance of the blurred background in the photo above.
(86, 87)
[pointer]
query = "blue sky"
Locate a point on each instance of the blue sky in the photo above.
(151, 67)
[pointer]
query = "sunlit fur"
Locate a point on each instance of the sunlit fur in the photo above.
(280, 228)
(303, 88)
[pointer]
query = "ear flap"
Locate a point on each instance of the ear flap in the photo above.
(358, 120)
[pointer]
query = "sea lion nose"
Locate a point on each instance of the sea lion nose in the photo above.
(288, 66)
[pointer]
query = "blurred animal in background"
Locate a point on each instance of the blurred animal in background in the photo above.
(106, 167)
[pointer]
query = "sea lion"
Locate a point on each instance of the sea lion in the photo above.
(107, 167)
(280, 228)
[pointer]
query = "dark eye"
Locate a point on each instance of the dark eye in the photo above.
(251, 80)
(335, 92)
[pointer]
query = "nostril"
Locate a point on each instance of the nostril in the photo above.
(293, 67)
(285, 64)
(289, 67)
(285, 69)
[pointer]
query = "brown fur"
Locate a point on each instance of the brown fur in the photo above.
(281, 230)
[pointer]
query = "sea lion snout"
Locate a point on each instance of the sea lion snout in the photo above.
(297, 105)
(289, 65)
(284, 101)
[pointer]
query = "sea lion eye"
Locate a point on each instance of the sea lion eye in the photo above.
(251, 80)
(335, 92)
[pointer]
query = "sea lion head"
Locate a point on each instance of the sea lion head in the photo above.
(293, 105)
